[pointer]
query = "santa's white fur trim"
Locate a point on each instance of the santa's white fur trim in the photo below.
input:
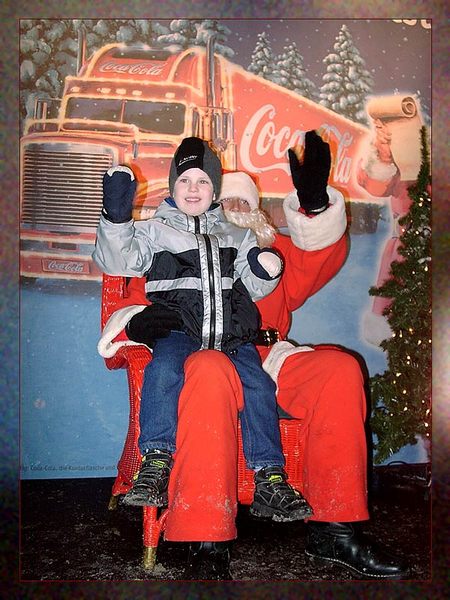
(278, 354)
(320, 231)
(116, 323)
(239, 185)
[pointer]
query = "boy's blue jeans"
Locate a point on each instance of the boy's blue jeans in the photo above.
(164, 379)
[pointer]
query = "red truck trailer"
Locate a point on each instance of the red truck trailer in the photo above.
(133, 105)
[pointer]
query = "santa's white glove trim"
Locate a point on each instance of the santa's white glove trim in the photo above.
(320, 231)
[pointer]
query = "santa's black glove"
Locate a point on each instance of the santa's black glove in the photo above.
(119, 187)
(155, 321)
(310, 177)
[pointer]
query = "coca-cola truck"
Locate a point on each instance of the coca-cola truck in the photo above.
(133, 105)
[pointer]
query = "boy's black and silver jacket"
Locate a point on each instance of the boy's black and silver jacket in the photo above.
(203, 267)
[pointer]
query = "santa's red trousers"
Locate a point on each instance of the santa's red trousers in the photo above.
(324, 388)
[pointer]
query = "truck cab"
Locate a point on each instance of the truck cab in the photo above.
(127, 105)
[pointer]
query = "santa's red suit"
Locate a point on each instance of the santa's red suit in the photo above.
(323, 386)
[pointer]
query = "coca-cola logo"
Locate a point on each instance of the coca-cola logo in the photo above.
(342, 162)
(132, 69)
(262, 139)
(68, 266)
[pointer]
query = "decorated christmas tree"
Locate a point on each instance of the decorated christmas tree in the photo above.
(401, 396)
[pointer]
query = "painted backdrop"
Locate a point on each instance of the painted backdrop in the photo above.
(99, 92)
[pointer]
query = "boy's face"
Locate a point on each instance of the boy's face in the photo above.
(193, 192)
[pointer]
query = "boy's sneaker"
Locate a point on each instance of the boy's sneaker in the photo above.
(152, 480)
(275, 498)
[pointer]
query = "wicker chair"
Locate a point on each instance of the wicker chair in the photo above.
(134, 360)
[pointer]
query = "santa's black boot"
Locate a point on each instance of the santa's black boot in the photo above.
(208, 561)
(345, 545)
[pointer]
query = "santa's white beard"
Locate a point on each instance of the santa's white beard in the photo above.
(257, 221)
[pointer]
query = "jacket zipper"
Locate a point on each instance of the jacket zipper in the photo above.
(196, 225)
(212, 289)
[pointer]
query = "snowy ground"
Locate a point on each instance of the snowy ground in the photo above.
(67, 534)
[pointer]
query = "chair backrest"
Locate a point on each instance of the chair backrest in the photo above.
(113, 291)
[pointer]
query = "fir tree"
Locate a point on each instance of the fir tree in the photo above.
(402, 394)
(210, 27)
(44, 56)
(182, 34)
(188, 32)
(262, 62)
(290, 73)
(48, 50)
(347, 83)
(48, 47)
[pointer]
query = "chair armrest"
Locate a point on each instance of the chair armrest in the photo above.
(127, 355)
(113, 291)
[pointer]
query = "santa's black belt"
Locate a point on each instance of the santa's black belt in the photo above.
(267, 337)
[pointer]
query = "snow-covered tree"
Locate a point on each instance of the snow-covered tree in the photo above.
(158, 31)
(182, 34)
(48, 50)
(290, 73)
(43, 59)
(347, 82)
(262, 60)
(210, 27)
(188, 32)
(49, 47)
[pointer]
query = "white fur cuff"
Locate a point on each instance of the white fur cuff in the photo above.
(320, 231)
(278, 354)
(116, 323)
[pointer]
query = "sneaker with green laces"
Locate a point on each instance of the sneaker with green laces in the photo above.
(151, 482)
(276, 499)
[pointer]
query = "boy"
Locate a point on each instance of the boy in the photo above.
(209, 272)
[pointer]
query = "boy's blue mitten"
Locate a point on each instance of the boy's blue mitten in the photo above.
(119, 187)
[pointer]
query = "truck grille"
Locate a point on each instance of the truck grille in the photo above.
(62, 186)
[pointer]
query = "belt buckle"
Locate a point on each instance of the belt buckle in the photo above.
(271, 336)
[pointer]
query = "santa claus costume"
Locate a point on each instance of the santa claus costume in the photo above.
(321, 385)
